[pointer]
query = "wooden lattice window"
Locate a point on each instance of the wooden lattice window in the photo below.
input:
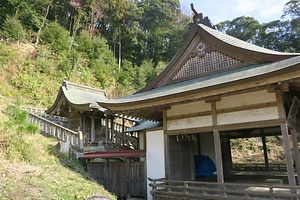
(204, 60)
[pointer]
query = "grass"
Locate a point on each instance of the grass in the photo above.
(47, 174)
(31, 167)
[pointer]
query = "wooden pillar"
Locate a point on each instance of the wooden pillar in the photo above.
(112, 126)
(93, 135)
(106, 130)
(80, 140)
(285, 139)
(263, 138)
(227, 159)
(167, 147)
(217, 144)
(296, 152)
(123, 129)
(83, 128)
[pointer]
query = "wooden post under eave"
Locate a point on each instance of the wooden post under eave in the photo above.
(217, 144)
(93, 134)
(263, 138)
(296, 152)
(285, 140)
(106, 131)
(167, 148)
(112, 127)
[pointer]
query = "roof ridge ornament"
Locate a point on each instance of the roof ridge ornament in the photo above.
(198, 18)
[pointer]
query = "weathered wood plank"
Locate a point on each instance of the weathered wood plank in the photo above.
(121, 178)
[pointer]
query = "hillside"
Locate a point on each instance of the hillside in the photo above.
(31, 167)
(35, 74)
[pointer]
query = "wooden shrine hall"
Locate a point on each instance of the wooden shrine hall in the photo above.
(215, 88)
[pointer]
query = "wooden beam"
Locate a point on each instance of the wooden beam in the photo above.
(213, 99)
(217, 144)
(225, 110)
(228, 127)
(285, 139)
(281, 86)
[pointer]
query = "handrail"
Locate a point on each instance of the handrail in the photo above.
(56, 130)
(259, 167)
(208, 190)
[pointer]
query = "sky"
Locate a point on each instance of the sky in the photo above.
(220, 10)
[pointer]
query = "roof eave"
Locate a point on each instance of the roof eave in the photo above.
(204, 93)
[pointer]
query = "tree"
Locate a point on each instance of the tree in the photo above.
(13, 30)
(57, 37)
(157, 23)
(274, 35)
(244, 28)
(292, 8)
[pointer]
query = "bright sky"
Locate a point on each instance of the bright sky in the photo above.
(220, 10)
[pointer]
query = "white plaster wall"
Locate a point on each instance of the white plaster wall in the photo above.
(207, 146)
(246, 99)
(155, 157)
(193, 122)
(187, 108)
(248, 116)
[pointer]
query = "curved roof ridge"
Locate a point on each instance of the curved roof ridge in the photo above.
(79, 96)
(240, 43)
(66, 84)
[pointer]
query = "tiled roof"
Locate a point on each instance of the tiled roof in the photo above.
(80, 95)
(240, 43)
(144, 124)
(208, 81)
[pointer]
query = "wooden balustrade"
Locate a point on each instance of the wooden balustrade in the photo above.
(170, 189)
(259, 167)
(60, 132)
(47, 125)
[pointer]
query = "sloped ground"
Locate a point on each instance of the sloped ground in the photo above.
(250, 150)
(50, 175)
(31, 167)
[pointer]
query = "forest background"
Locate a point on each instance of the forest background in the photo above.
(116, 45)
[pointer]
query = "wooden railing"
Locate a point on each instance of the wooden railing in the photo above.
(163, 189)
(60, 132)
(52, 125)
(41, 112)
(259, 167)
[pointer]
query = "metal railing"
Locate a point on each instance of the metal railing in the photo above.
(170, 189)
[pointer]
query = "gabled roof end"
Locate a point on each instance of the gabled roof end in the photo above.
(199, 19)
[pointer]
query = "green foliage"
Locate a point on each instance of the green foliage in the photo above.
(57, 37)
(292, 8)
(6, 54)
(127, 76)
(18, 125)
(18, 149)
(13, 30)
(84, 44)
(26, 83)
(244, 28)
(146, 73)
(18, 119)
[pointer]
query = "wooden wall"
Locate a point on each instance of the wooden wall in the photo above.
(235, 109)
(121, 178)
